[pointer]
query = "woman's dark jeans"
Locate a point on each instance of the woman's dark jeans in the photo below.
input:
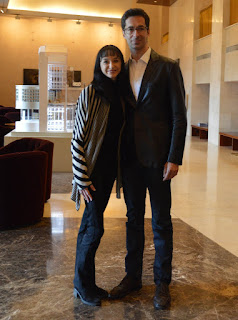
(91, 229)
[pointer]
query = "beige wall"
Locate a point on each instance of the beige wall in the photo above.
(21, 39)
(181, 43)
(164, 27)
(215, 103)
(229, 96)
(202, 47)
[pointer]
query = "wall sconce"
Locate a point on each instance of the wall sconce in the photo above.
(110, 24)
(2, 10)
(78, 22)
(49, 20)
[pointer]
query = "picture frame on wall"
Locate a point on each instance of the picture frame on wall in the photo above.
(74, 78)
(30, 76)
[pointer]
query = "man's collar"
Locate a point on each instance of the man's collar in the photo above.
(145, 57)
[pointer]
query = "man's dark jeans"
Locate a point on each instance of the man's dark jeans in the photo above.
(136, 179)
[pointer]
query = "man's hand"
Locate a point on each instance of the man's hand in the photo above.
(86, 193)
(170, 170)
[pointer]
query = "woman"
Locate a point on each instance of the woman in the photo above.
(94, 147)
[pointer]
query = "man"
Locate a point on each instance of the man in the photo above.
(152, 151)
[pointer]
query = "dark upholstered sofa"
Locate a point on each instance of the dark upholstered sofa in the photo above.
(3, 131)
(8, 115)
(34, 144)
(25, 183)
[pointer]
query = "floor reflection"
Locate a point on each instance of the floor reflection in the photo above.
(57, 222)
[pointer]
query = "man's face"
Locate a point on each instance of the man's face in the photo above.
(136, 40)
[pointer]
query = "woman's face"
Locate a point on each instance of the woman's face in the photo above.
(111, 66)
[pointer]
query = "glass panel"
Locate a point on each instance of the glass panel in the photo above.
(234, 11)
(206, 22)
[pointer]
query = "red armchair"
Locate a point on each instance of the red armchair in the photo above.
(22, 187)
(25, 184)
(34, 144)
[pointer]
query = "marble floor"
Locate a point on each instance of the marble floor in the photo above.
(37, 262)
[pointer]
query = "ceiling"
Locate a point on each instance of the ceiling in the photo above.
(157, 2)
(83, 8)
(101, 10)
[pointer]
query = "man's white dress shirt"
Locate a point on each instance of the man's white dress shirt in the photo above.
(137, 70)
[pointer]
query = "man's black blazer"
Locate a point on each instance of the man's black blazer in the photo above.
(158, 117)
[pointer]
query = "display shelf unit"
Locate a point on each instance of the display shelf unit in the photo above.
(27, 100)
(56, 110)
(57, 97)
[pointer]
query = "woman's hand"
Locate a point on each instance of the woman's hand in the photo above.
(86, 193)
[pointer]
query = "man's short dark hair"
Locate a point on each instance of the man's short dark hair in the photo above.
(135, 12)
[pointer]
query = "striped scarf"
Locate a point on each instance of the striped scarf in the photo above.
(89, 130)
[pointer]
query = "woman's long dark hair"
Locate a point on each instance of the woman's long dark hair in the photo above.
(103, 85)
